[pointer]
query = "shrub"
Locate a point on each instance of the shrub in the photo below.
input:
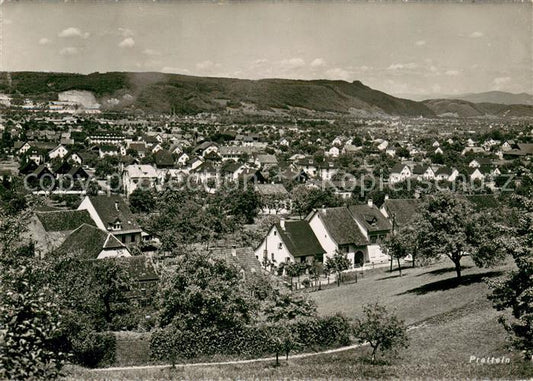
(95, 349)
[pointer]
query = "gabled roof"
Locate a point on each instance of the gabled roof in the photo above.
(444, 171)
(140, 268)
(88, 241)
(420, 169)
(398, 168)
(403, 210)
(64, 220)
(112, 208)
(163, 158)
(241, 257)
(271, 189)
(341, 226)
(370, 217)
(299, 238)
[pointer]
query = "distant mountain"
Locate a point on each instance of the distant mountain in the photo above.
(181, 94)
(158, 92)
(464, 109)
(500, 97)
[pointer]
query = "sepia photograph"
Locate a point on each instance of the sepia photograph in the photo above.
(266, 190)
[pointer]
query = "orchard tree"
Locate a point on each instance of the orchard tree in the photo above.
(281, 338)
(516, 291)
(337, 264)
(382, 330)
(450, 227)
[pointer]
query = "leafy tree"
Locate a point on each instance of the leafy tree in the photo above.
(450, 227)
(337, 264)
(306, 199)
(30, 320)
(281, 339)
(286, 306)
(516, 291)
(202, 292)
(398, 248)
(142, 201)
(31, 323)
(244, 204)
(382, 330)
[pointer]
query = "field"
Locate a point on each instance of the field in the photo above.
(450, 323)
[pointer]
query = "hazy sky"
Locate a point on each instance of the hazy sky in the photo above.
(397, 48)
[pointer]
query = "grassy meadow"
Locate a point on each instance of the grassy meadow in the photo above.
(450, 323)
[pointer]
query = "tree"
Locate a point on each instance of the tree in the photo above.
(142, 201)
(398, 248)
(516, 291)
(280, 339)
(306, 199)
(30, 320)
(337, 264)
(31, 323)
(203, 292)
(382, 330)
(450, 227)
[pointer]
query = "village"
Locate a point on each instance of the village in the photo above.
(90, 170)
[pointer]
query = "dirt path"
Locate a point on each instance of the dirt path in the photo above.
(234, 362)
(238, 362)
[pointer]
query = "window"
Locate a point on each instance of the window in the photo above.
(275, 232)
(272, 257)
(280, 246)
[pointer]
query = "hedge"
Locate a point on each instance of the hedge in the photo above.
(169, 344)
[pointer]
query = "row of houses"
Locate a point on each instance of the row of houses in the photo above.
(357, 231)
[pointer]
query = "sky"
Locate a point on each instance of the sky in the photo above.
(400, 48)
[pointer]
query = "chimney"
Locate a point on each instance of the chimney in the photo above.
(282, 223)
(116, 205)
(370, 202)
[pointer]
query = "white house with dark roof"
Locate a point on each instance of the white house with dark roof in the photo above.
(337, 230)
(111, 214)
(400, 172)
(289, 241)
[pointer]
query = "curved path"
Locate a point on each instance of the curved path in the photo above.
(234, 362)
(237, 362)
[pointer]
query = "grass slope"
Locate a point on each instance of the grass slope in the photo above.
(453, 322)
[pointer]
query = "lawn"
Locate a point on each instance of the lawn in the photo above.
(451, 323)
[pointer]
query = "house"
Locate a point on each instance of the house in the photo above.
(400, 212)
(48, 229)
(476, 163)
(327, 169)
(136, 175)
(307, 165)
(274, 197)
(183, 159)
(205, 148)
(89, 242)
(283, 142)
(139, 148)
(243, 258)
(265, 161)
(424, 172)
(521, 150)
(111, 214)
(350, 149)
(337, 231)
(289, 241)
(59, 151)
(439, 151)
(108, 150)
(104, 137)
(163, 159)
(399, 172)
(470, 149)
(75, 158)
(475, 174)
(446, 174)
(333, 152)
(78, 173)
(375, 228)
